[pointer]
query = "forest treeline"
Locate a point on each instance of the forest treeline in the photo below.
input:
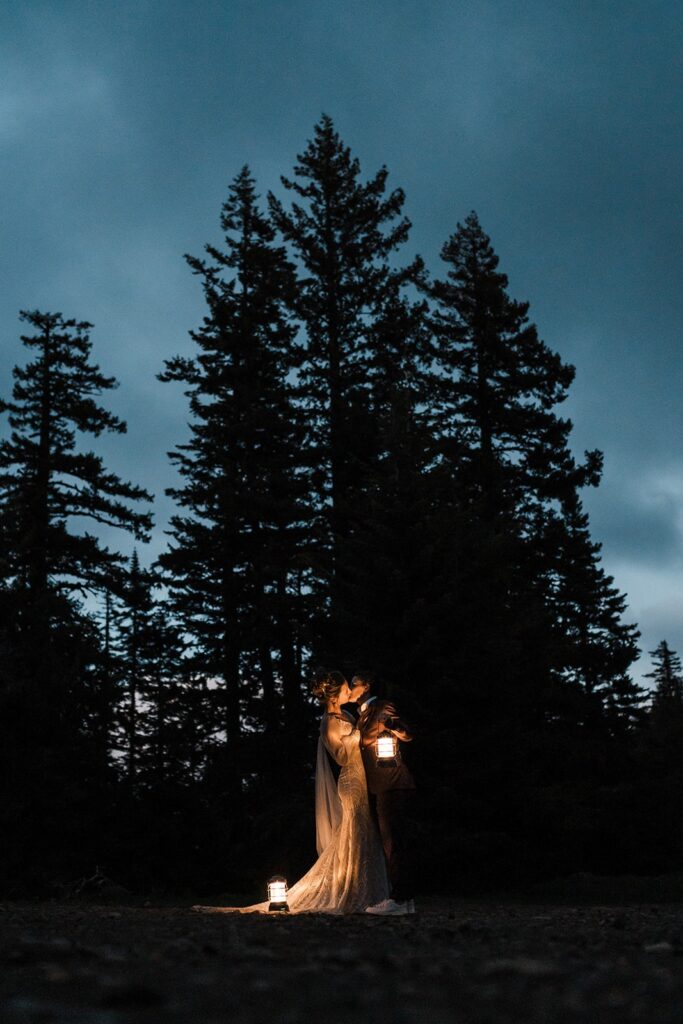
(376, 475)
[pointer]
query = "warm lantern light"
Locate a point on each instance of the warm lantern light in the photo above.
(277, 893)
(387, 748)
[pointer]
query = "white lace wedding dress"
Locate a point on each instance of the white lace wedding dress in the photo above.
(350, 873)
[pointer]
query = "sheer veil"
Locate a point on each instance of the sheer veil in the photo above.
(350, 873)
(328, 809)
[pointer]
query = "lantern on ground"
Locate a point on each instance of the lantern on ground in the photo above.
(277, 894)
(386, 748)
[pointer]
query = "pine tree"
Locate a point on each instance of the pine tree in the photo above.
(110, 673)
(594, 646)
(133, 644)
(236, 559)
(51, 738)
(519, 480)
(663, 734)
(503, 383)
(388, 577)
(168, 707)
(46, 481)
(667, 674)
(343, 231)
(152, 698)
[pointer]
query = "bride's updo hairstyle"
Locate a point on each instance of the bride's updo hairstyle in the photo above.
(326, 685)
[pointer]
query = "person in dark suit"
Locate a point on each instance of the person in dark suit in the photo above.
(391, 789)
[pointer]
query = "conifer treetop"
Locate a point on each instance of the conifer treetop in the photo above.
(342, 214)
(54, 402)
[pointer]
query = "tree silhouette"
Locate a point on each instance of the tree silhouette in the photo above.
(236, 562)
(49, 484)
(376, 475)
(667, 674)
(343, 230)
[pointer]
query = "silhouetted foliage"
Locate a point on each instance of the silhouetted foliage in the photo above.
(51, 733)
(376, 475)
(666, 711)
(343, 231)
(236, 565)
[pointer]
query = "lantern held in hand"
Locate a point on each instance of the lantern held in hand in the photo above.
(277, 894)
(386, 747)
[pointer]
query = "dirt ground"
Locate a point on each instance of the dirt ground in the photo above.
(454, 960)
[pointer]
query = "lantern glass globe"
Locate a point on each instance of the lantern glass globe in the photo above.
(386, 746)
(277, 893)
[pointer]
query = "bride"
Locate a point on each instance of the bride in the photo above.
(350, 872)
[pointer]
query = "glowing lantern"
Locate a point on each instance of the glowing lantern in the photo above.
(387, 748)
(277, 894)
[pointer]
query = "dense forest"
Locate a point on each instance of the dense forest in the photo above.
(377, 475)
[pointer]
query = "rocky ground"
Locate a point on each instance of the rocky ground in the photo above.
(455, 960)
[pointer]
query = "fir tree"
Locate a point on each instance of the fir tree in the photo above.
(663, 733)
(52, 739)
(168, 711)
(496, 381)
(133, 644)
(46, 481)
(518, 481)
(236, 557)
(594, 645)
(502, 384)
(667, 674)
(152, 698)
(388, 577)
(343, 230)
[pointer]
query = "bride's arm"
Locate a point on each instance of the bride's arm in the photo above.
(338, 740)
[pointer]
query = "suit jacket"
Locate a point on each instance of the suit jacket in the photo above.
(382, 777)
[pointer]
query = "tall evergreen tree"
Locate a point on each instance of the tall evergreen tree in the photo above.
(168, 712)
(503, 383)
(46, 481)
(152, 690)
(109, 673)
(594, 646)
(388, 577)
(48, 485)
(236, 558)
(520, 481)
(667, 674)
(343, 230)
(134, 642)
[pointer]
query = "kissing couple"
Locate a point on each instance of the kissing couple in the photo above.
(364, 857)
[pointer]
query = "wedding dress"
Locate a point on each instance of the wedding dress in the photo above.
(350, 873)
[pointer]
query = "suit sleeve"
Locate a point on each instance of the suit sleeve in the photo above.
(398, 726)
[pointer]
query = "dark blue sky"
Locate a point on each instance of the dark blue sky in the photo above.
(121, 124)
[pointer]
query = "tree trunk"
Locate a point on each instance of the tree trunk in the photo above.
(231, 681)
(132, 702)
(291, 677)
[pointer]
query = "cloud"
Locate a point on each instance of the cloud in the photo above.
(655, 601)
(638, 516)
(122, 124)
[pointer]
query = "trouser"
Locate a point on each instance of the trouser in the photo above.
(392, 810)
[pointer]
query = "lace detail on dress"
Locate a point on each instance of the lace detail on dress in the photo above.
(350, 874)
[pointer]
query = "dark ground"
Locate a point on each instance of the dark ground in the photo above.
(554, 955)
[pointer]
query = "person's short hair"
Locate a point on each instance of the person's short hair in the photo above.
(367, 678)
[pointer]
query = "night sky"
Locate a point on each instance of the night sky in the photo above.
(122, 123)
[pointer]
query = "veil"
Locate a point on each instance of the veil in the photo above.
(328, 810)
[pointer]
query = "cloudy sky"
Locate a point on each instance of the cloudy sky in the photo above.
(558, 121)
